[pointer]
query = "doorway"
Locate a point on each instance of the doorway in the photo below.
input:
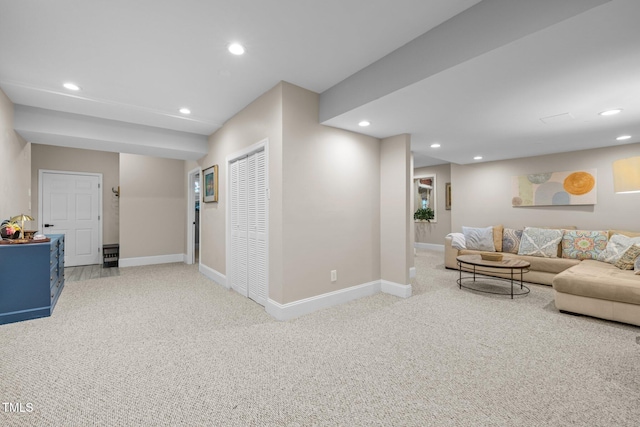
(193, 216)
(70, 203)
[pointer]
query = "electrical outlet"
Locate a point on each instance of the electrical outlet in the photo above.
(334, 275)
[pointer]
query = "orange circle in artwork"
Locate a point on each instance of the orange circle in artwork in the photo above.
(579, 183)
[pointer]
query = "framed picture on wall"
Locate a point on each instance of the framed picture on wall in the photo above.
(210, 184)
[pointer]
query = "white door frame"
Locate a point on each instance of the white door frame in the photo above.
(191, 215)
(260, 145)
(41, 172)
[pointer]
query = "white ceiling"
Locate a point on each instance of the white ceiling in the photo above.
(139, 62)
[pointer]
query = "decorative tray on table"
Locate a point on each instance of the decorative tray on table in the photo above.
(491, 256)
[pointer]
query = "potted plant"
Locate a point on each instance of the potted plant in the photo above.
(424, 214)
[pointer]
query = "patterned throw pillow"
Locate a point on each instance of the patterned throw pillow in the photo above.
(540, 242)
(617, 246)
(479, 239)
(511, 240)
(636, 266)
(627, 259)
(583, 244)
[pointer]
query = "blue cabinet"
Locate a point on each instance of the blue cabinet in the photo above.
(31, 279)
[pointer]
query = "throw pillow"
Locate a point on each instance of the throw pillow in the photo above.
(636, 266)
(457, 241)
(583, 244)
(540, 242)
(497, 237)
(566, 227)
(479, 239)
(616, 247)
(624, 233)
(627, 259)
(511, 240)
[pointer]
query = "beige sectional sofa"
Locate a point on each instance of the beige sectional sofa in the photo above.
(599, 289)
(588, 287)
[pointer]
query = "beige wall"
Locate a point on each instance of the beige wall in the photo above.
(259, 120)
(77, 160)
(152, 206)
(15, 169)
(482, 192)
(396, 253)
(434, 232)
(331, 199)
(324, 202)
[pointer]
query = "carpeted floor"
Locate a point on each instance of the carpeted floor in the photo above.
(163, 345)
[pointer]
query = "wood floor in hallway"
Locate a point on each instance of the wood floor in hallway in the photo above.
(87, 272)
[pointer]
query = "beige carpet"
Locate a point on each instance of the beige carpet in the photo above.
(162, 345)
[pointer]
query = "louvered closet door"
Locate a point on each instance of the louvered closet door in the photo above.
(257, 237)
(239, 216)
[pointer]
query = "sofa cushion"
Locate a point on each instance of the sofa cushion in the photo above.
(511, 240)
(616, 247)
(601, 280)
(540, 242)
(628, 258)
(480, 239)
(583, 244)
(550, 265)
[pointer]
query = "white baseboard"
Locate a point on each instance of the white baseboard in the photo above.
(214, 275)
(412, 272)
(330, 299)
(150, 260)
(431, 246)
(402, 291)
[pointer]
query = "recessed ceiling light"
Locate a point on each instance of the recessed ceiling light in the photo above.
(611, 112)
(436, 145)
(71, 86)
(477, 158)
(364, 123)
(623, 137)
(185, 111)
(236, 48)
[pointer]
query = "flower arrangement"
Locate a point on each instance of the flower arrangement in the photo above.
(9, 230)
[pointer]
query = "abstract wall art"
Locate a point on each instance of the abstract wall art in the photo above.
(555, 188)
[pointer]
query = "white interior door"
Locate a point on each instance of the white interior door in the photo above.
(248, 217)
(257, 236)
(239, 226)
(70, 205)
